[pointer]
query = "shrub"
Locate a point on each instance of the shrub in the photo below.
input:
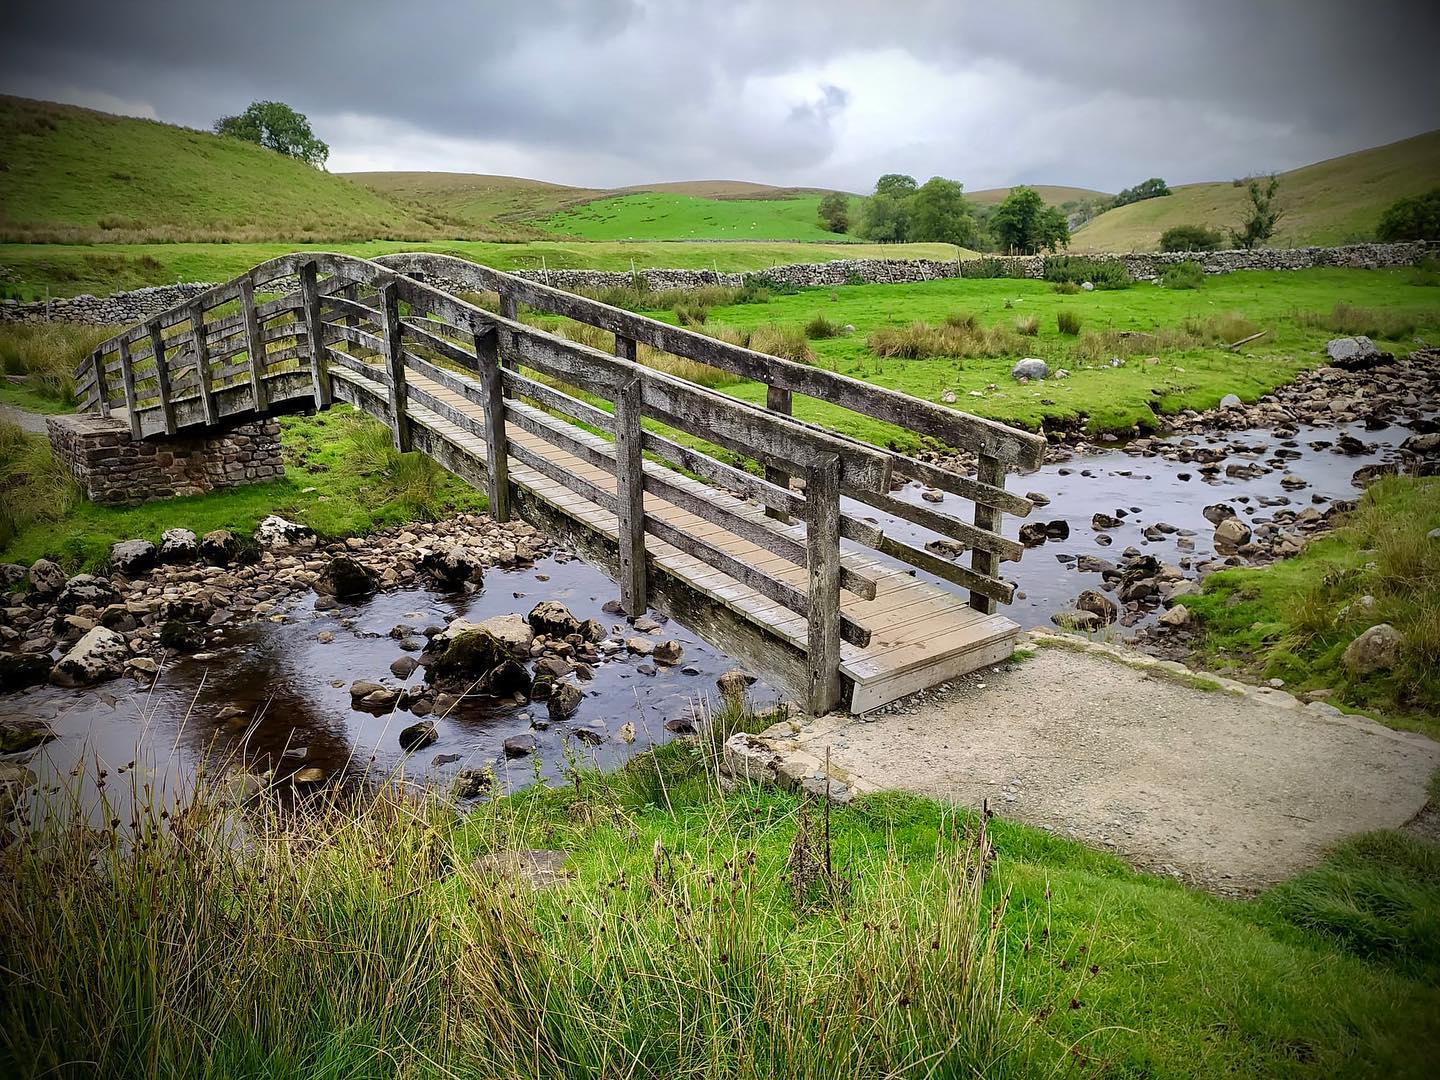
(1028, 325)
(1413, 218)
(1191, 238)
(1066, 288)
(1067, 321)
(1102, 273)
(962, 320)
(1259, 222)
(821, 327)
(989, 267)
(1185, 275)
(763, 285)
(1153, 188)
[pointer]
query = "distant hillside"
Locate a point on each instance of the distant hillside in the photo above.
(1331, 202)
(531, 209)
(1053, 194)
(72, 173)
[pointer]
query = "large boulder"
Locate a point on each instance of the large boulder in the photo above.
(512, 631)
(1377, 649)
(99, 655)
(734, 683)
(1231, 533)
(553, 619)
(1099, 605)
(1355, 353)
(468, 652)
(564, 700)
(275, 532)
(46, 578)
(507, 679)
(179, 546)
(452, 568)
(345, 579)
(1030, 368)
(133, 557)
(86, 590)
(219, 547)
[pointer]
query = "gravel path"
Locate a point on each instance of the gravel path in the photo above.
(32, 422)
(1229, 791)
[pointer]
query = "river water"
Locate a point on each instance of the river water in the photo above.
(291, 684)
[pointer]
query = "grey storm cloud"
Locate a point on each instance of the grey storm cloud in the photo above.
(826, 93)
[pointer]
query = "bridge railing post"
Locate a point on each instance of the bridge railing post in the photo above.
(630, 496)
(127, 377)
(102, 388)
(778, 399)
(508, 310)
(254, 346)
(315, 332)
(202, 365)
(822, 557)
(497, 444)
(989, 470)
(162, 377)
(392, 340)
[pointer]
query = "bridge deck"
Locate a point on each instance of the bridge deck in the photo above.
(922, 633)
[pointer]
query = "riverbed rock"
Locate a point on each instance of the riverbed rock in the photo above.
(418, 736)
(1099, 605)
(553, 619)
(1377, 649)
(564, 700)
(508, 679)
(639, 646)
(97, 656)
(1231, 533)
(1176, 617)
(179, 546)
(668, 653)
(134, 557)
(1355, 353)
(452, 568)
(46, 578)
(86, 590)
(1231, 401)
(470, 653)
(402, 667)
(1215, 513)
(276, 532)
(22, 669)
(593, 631)
(1077, 620)
(1031, 368)
(21, 733)
(1033, 534)
(11, 576)
(1101, 521)
(471, 783)
(734, 683)
(219, 547)
(345, 579)
(517, 746)
(512, 631)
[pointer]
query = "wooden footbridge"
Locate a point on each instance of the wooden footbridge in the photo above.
(773, 570)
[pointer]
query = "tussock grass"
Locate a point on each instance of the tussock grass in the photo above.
(818, 327)
(1067, 321)
(786, 342)
(922, 340)
(1027, 325)
(1351, 319)
(1222, 329)
(48, 354)
(35, 488)
(1183, 275)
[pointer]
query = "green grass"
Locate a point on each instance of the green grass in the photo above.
(72, 172)
(29, 270)
(1331, 202)
(698, 936)
(342, 478)
(666, 216)
(1285, 620)
(1193, 371)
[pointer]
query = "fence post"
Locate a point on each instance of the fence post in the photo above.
(990, 470)
(822, 558)
(777, 399)
(202, 366)
(162, 377)
(393, 341)
(102, 389)
(315, 331)
(497, 444)
(127, 378)
(254, 347)
(508, 310)
(630, 496)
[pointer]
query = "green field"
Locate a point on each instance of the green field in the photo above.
(1331, 202)
(29, 270)
(662, 216)
(1113, 399)
(74, 173)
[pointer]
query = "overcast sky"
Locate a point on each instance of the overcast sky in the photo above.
(830, 94)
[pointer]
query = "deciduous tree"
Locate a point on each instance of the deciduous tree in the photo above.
(276, 126)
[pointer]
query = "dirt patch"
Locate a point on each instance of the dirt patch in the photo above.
(1228, 789)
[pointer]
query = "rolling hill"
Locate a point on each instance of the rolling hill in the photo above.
(1330, 202)
(72, 173)
(1053, 194)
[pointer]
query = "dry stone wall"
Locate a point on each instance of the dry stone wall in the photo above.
(116, 470)
(132, 307)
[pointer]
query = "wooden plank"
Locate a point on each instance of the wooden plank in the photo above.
(315, 331)
(971, 536)
(254, 346)
(630, 495)
(392, 348)
(822, 542)
(519, 386)
(985, 562)
(162, 377)
(127, 378)
(497, 452)
(779, 400)
(202, 365)
(508, 310)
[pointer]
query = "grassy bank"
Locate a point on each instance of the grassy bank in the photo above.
(1294, 619)
(656, 215)
(342, 478)
(27, 271)
(696, 934)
